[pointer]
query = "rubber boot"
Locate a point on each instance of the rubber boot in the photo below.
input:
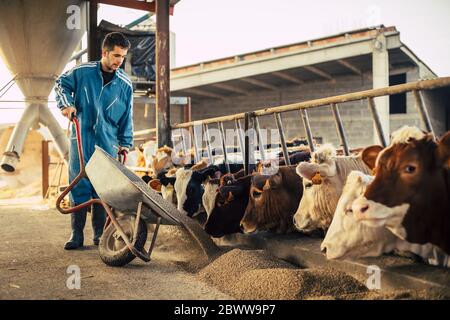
(77, 221)
(98, 222)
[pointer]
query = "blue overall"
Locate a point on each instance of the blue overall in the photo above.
(105, 114)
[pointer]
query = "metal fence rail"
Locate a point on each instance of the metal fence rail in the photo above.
(369, 95)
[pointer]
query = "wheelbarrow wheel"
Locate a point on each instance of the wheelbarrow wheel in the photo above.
(112, 248)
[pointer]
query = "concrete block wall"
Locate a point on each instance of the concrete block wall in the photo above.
(355, 115)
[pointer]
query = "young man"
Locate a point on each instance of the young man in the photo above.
(100, 94)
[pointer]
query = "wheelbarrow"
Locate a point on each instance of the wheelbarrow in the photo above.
(130, 205)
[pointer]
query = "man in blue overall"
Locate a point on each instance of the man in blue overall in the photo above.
(101, 96)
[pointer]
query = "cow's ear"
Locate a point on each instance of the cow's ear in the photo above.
(155, 184)
(369, 155)
(306, 170)
(443, 150)
(165, 181)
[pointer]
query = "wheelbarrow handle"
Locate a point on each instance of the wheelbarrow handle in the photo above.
(122, 156)
(80, 175)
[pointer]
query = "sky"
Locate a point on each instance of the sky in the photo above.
(211, 29)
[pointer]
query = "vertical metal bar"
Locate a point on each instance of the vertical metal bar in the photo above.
(208, 144)
(309, 136)
(237, 125)
(93, 44)
(224, 147)
(198, 140)
(246, 143)
(282, 139)
(188, 111)
(162, 73)
(183, 143)
(194, 143)
(377, 122)
(340, 128)
(260, 142)
(45, 168)
(423, 111)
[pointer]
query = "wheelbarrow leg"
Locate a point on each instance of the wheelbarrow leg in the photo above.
(122, 234)
(148, 253)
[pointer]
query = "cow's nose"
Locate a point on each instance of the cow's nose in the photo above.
(363, 208)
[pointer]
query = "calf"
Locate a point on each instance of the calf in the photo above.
(349, 238)
(189, 185)
(273, 201)
(323, 181)
(410, 194)
(229, 207)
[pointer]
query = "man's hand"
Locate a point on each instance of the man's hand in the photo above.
(67, 112)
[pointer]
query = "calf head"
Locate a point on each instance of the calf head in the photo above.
(272, 202)
(164, 184)
(321, 190)
(349, 238)
(189, 188)
(411, 191)
(231, 202)
(323, 181)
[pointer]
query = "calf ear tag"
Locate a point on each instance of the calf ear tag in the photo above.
(374, 171)
(317, 178)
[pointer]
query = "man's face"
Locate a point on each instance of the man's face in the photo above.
(114, 59)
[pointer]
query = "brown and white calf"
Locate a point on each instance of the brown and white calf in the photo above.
(410, 194)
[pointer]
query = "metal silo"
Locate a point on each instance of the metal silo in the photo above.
(37, 39)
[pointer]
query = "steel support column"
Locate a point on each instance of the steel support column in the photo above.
(93, 42)
(162, 73)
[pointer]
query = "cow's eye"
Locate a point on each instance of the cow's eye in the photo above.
(308, 185)
(410, 169)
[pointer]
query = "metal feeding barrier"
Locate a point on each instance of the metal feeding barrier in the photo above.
(415, 87)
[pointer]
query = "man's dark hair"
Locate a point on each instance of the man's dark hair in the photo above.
(115, 39)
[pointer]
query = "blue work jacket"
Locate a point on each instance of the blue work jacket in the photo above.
(105, 113)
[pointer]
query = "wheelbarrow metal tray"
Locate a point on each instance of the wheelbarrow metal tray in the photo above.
(122, 189)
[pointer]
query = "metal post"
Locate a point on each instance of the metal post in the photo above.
(45, 168)
(246, 144)
(93, 44)
(192, 133)
(237, 125)
(376, 120)
(208, 144)
(188, 111)
(282, 139)
(183, 143)
(224, 147)
(258, 133)
(162, 73)
(340, 128)
(197, 138)
(423, 111)
(307, 126)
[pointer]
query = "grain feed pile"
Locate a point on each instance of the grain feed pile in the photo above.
(255, 274)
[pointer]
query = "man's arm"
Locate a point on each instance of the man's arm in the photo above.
(125, 133)
(64, 89)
